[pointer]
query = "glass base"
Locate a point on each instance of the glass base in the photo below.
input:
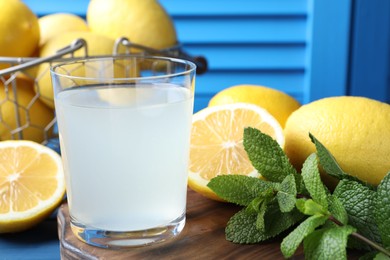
(125, 239)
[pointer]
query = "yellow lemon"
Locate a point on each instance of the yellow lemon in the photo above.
(97, 45)
(143, 22)
(31, 184)
(355, 130)
(23, 113)
(217, 142)
(58, 23)
(19, 29)
(276, 102)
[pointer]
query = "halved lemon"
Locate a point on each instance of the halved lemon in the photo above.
(31, 184)
(217, 142)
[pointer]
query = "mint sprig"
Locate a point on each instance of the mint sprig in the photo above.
(267, 157)
(239, 189)
(382, 210)
(287, 194)
(242, 227)
(328, 243)
(312, 181)
(293, 240)
(359, 202)
(354, 215)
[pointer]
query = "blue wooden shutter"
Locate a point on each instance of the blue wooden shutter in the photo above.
(370, 50)
(328, 46)
(245, 42)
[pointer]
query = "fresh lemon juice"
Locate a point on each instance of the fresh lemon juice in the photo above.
(127, 150)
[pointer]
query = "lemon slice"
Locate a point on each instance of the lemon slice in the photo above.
(217, 142)
(31, 184)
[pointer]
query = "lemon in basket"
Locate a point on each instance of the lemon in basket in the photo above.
(19, 30)
(217, 142)
(50, 26)
(31, 184)
(97, 45)
(21, 112)
(144, 22)
(58, 23)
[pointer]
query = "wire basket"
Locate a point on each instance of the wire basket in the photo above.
(23, 112)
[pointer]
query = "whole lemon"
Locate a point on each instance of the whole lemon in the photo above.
(356, 130)
(32, 114)
(19, 29)
(277, 103)
(52, 25)
(97, 45)
(143, 22)
(58, 23)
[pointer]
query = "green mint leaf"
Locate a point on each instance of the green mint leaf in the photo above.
(263, 197)
(359, 202)
(300, 185)
(310, 207)
(239, 189)
(327, 243)
(381, 256)
(337, 210)
(277, 221)
(266, 155)
(260, 222)
(293, 240)
(311, 178)
(329, 163)
(382, 210)
(287, 193)
(254, 205)
(242, 228)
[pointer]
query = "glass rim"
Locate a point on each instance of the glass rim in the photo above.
(75, 60)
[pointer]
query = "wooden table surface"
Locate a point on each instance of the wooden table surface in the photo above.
(202, 238)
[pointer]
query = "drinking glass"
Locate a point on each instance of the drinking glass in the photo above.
(124, 128)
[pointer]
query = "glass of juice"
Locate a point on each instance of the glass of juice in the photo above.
(124, 128)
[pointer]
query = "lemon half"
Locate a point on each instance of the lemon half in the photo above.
(31, 184)
(217, 142)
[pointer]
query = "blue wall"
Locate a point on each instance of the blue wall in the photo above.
(307, 48)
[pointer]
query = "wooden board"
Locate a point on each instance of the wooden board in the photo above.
(202, 238)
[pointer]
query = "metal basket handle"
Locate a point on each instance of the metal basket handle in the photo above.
(74, 46)
(175, 52)
(77, 44)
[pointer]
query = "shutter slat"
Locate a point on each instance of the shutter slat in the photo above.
(249, 57)
(210, 83)
(243, 30)
(234, 7)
